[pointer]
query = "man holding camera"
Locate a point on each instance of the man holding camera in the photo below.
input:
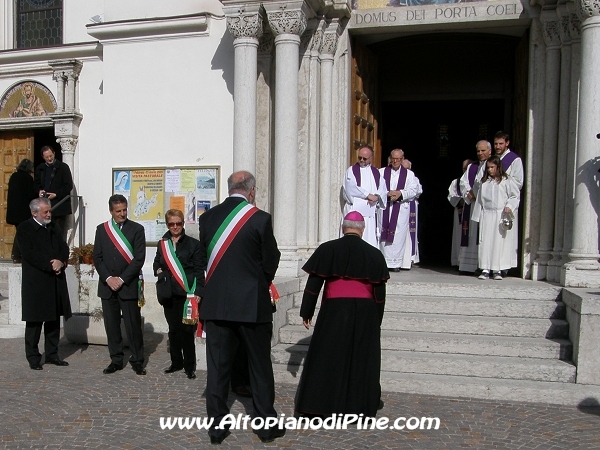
(53, 180)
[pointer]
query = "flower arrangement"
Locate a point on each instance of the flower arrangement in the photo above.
(82, 254)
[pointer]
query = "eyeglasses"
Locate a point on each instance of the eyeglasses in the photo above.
(362, 158)
(174, 224)
(397, 159)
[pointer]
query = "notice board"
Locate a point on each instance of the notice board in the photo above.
(152, 191)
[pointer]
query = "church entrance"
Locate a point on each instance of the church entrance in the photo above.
(14, 147)
(437, 136)
(436, 95)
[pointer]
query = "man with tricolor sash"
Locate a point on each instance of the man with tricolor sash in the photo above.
(119, 254)
(240, 256)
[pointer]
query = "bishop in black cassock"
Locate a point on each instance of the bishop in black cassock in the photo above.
(341, 370)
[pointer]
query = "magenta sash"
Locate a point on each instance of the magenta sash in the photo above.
(390, 219)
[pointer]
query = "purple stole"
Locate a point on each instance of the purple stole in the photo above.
(356, 172)
(388, 228)
(459, 216)
(508, 160)
(412, 226)
(466, 214)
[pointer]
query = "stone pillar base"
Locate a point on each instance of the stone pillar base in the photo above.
(583, 315)
(290, 264)
(15, 307)
(538, 271)
(574, 275)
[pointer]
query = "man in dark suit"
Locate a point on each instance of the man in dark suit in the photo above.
(240, 261)
(119, 254)
(44, 288)
(53, 180)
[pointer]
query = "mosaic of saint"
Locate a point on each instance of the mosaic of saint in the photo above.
(27, 99)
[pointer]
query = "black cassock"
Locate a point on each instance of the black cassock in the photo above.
(341, 370)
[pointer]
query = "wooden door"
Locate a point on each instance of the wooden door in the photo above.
(365, 104)
(14, 147)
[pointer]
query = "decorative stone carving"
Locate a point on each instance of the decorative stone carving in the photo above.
(312, 37)
(575, 27)
(330, 38)
(266, 41)
(552, 33)
(317, 40)
(287, 22)
(68, 144)
(589, 8)
(565, 26)
(246, 25)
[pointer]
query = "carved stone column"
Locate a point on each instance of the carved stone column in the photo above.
(287, 21)
(328, 48)
(246, 26)
(584, 269)
(67, 117)
(575, 34)
(551, 25)
(553, 271)
(264, 121)
(309, 102)
(66, 75)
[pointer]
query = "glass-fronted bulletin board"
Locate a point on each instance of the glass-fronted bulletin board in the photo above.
(152, 191)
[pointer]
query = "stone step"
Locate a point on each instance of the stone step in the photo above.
(472, 387)
(446, 364)
(12, 331)
(443, 323)
(297, 336)
(476, 289)
(535, 309)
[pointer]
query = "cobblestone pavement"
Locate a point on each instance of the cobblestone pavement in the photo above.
(78, 406)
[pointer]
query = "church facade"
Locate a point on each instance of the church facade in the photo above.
(289, 89)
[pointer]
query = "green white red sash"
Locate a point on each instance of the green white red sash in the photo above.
(227, 233)
(118, 238)
(222, 240)
(190, 308)
(126, 250)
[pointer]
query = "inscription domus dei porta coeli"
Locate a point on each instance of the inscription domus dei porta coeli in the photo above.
(395, 12)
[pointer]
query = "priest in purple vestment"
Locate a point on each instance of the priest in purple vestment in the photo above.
(512, 165)
(469, 184)
(364, 191)
(402, 187)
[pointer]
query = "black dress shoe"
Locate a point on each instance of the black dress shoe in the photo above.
(57, 362)
(190, 374)
(380, 405)
(276, 433)
(216, 440)
(36, 367)
(112, 368)
(172, 369)
(138, 369)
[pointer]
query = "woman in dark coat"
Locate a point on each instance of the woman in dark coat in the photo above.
(20, 193)
(187, 250)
